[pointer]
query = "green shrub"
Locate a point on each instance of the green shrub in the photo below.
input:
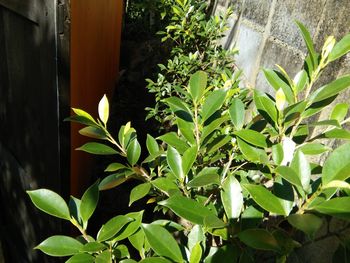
(236, 177)
(195, 40)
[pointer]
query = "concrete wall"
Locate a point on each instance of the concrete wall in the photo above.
(265, 33)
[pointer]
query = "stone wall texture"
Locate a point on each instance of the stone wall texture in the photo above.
(265, 33)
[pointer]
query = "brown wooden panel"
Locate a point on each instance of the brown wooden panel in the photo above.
(95, 44)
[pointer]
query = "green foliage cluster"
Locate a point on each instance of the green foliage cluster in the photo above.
(235, 172)
(195, 40)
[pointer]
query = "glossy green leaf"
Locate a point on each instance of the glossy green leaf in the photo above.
(212, 126)
(113, 167)
(277, 82)
(139, 192)
(81, 258)
(338, 207)
(93, 247)
(339, 112)
(340, 49)
(174, 141)
(198, 83)
(225, 253)
(155, 260)
(162, 242)
(205, 179)
(337, 184)
(188, 158)
(133, 152)
(89, 201)
(302, 168)
(121, 251)
(265, 106)
(237, 113)
(112, 181)
(74, 209)
(152, 145)
(130, 228)
(83, 117)
(252, 153)
(175, 163)
(213, 221)
(213, 103)
(50, 202)
(128, 260)
(289, 174)
(331, 89)
(308, 41)
(314, 148)
(232, 197)
(111, 228)
(179, 107)
(308, 223)
(300, 80)
(165, 184)
(93, 132)
(186, 128)
(97, 148)
(60, 246)
(337, 134)
(195, 236)
(137, 240)
(259, 239)
(277, 153)
(264, 198)
(103, 109)
(169, 225)
(337, 165)
(196, 253)
(252, 137)
(104, 257)
(187, 208)
(317, 107)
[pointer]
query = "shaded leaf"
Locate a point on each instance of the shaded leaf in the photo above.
(338, 207)
(189, 157)
(152, 145)
(259, 239)
(112, 181)
(93, 132)
(133, 152)
(308, 223)
(174, 141)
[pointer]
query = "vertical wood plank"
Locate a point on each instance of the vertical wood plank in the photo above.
(95, 44)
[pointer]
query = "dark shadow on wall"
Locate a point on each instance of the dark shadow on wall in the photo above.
(32, 139)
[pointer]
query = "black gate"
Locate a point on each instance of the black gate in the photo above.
(33, 97)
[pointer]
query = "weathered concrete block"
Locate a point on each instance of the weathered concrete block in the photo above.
(248, 42)
(308, 12)
(277, 52)
(257, 11)
(333, 21)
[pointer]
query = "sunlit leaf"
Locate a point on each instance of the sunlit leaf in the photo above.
(162, 242)
(97, 148)
(60, 246)
(232, 197)
(103, 109)
(50, 202)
